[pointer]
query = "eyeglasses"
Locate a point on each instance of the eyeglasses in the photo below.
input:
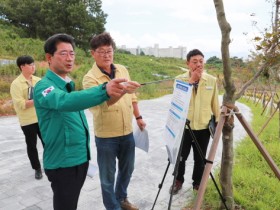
(104, 52)
(65, 54)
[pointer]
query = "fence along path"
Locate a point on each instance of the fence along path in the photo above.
(270, 102)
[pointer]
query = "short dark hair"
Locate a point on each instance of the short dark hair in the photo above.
(194, 52)
(103, 39)
(24, 59)
(51, 42)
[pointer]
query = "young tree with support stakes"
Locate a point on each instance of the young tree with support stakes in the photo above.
(270, 53)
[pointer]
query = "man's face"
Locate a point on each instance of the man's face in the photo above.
(28, 69)
(196, 63)
(62, 61)
(103, 56)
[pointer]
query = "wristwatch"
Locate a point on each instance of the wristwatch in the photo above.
(138, 118)
(104, 85)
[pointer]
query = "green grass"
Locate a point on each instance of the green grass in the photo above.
(255, 185)
(141, 68)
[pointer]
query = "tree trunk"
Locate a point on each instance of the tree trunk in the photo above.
(228, 100)
(226, 165)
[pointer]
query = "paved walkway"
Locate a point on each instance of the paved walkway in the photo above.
(19, 190)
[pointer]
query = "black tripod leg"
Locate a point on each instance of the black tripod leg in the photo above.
(177, 165)
(203, 158)
(173, 183)
(160, 185)
(220, 194)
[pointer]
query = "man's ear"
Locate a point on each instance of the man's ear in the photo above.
(48, 57)
(92, 53)
(187, 63)
(20, 67)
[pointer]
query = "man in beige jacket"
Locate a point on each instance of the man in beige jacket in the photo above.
(22, 95)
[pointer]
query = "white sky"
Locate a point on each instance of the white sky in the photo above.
(189, 23)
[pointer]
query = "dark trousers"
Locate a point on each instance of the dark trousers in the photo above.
(202, 138)
(31, 132)
(66, 185)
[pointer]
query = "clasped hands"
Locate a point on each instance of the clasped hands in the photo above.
(120, 86)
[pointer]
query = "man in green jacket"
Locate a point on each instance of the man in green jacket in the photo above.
(63, 123)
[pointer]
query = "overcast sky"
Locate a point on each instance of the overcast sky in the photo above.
(189, 23)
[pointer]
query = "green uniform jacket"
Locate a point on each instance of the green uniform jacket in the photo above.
(62, 121)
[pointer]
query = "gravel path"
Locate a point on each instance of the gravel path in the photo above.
(19, 190)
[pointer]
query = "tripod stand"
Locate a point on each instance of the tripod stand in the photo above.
(177, 165)
(174, 173)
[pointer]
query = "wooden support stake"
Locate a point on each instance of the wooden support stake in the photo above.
(259, 145)
(211, 156)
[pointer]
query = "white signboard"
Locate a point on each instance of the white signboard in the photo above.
(176, 118)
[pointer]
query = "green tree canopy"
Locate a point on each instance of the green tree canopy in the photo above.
(42, 18)
(217, 62)
(214, 60)
(237, 62)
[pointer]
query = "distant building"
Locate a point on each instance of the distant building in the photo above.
(179, 52)
(6, 62)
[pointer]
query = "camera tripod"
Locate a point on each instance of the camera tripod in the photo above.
(194, 140)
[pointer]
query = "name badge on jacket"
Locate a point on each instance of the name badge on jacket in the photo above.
(209, 88)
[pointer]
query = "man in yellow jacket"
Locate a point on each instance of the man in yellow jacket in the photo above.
(204, 103)
(113, 125)
(22, 95)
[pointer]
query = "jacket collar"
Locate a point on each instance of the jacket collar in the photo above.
(98, 73)
(59, 82)
(22, 78)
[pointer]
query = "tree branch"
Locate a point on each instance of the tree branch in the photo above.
(247, 84)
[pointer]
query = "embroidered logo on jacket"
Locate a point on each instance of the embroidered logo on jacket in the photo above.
(47, 91)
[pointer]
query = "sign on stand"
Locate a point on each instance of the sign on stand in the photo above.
(176, 118)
